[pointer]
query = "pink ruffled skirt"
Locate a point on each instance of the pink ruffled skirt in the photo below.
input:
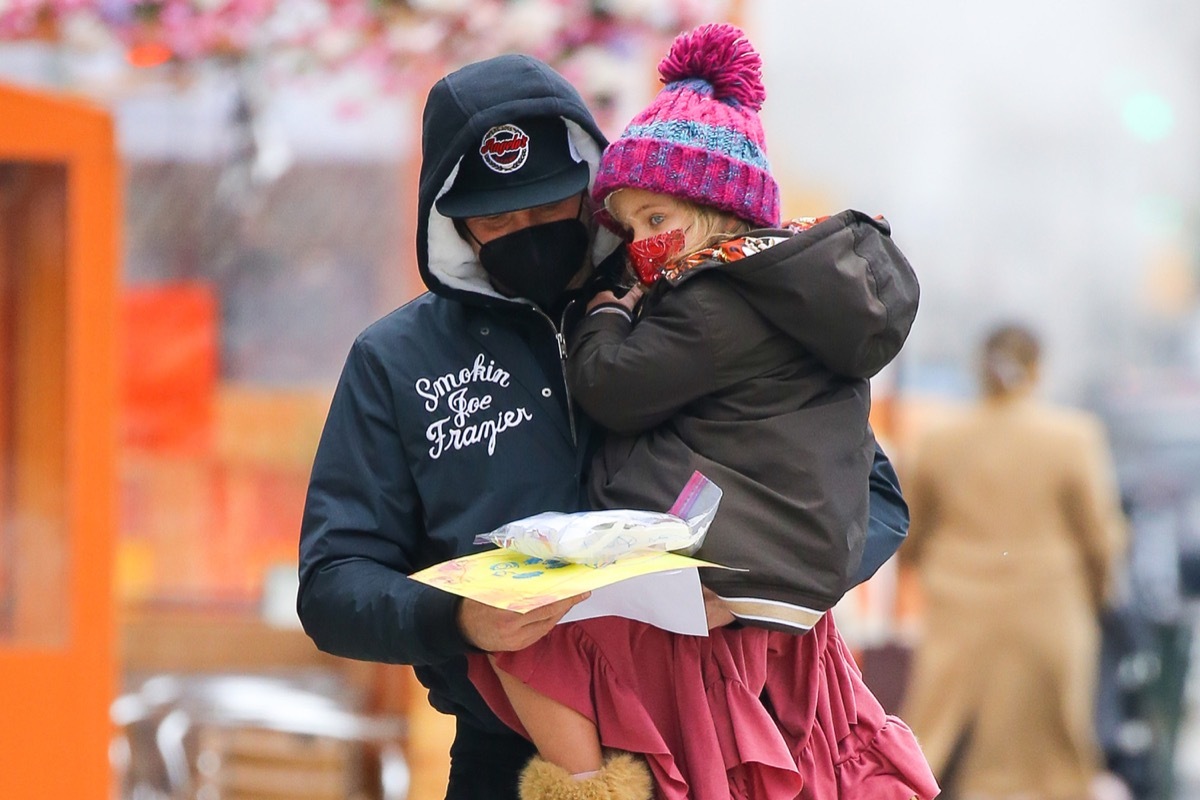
(743, 713)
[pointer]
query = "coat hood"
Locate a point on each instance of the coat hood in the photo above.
(459, 110)
(841, 288)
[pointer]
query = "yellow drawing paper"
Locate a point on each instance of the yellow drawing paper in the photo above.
(510, 580)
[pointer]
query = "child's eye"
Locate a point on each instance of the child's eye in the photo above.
(657, 219)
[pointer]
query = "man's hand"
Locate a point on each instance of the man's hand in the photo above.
(715, 610)
(494, 629)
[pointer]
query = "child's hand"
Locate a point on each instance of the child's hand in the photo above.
(715, 610)
(626, 301)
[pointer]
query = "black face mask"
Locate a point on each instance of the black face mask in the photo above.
(537, 262)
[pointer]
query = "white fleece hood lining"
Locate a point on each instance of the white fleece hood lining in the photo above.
(454, 264)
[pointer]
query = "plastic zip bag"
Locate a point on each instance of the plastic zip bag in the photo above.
(597, 538)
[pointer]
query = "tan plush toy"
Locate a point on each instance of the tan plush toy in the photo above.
(623, 777)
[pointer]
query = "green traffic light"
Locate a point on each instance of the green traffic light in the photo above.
(1148, 116)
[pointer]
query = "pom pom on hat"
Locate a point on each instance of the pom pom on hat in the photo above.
(700, 139)
(720, 55)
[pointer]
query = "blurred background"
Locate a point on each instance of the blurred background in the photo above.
(203, 201)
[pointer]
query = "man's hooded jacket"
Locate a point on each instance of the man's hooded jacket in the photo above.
(450, 417)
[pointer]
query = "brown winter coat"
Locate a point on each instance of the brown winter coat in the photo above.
(755, 374)
(1016, 527)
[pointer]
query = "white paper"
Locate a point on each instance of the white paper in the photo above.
(669, 600)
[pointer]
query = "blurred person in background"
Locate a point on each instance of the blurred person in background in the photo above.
(1147, 636)
(1016, 529)
(452, 417)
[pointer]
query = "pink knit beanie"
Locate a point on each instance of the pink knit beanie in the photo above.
(701, 138)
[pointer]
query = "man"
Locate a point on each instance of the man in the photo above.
(452, 415)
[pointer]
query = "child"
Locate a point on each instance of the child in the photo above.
(747, 359)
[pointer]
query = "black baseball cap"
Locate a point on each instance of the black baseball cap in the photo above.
(525, 163)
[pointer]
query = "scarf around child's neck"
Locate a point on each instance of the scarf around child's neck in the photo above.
(740, 247)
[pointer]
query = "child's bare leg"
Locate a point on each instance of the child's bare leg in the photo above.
(562, 735)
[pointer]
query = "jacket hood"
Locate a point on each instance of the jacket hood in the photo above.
(459, 110)
(841, 288)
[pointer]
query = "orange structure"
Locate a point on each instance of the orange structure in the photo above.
(59, 216)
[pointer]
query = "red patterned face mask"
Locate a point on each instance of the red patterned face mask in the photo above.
(650, 255)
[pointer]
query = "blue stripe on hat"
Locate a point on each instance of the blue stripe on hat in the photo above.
(725, 141)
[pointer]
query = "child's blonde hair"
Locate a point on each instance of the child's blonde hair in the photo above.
(710, 226)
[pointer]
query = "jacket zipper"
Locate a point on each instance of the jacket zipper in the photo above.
(562, 364)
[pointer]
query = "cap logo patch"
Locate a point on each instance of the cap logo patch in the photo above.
(505, 148)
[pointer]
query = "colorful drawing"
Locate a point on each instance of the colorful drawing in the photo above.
(510, 580)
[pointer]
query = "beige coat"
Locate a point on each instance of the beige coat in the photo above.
(1016, 527)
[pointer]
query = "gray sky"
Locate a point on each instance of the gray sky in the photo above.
(1037, 159)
